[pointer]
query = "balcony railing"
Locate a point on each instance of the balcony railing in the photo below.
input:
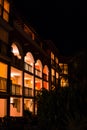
(45, 76)
(28, 67)
(53, 62)
(57, 81)
(28, 91)
(37, 72)
(53, 80)
(3, 84)
(15, 89)
(37, 92)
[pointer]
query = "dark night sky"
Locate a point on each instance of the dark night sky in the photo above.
(66, 26)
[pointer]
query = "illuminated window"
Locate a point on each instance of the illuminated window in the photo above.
(3, 83)
(6, 5)
(64, 82)
(3, 77)
(38, 68)
(38, 83)
(3, 108)
(52, 75)
(3, 72)
(15, 106)
(56, 60)
(53, 72)
(45, 77)
(57, 75)
(28, 104)
(52, 56)
(29, 62)
(45, 85)
(65, 69)
(28, 84)
(61, 67)
(4, 9)
(45, 72)
(15, 51)
(16, 79)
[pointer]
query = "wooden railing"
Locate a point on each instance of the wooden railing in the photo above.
(28, 67)
(15, 89)
(45, 76)
(3, 84)
(37, 72)
(37, 92)
(28, 91)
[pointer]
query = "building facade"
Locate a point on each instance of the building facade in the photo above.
(27, 64)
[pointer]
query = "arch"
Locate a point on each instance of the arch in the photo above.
(38, 68)
(29, 62)
(29, 58)
(45, 77)
(38, 65)
(16, 50)
(45, 70)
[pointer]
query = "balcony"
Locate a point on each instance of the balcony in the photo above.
(28, 67)
(53, 80)
(53, 62)
(45, 77)
(37, 92)
(3, 84)
(15, 89)
(37, 72)
(28, 92)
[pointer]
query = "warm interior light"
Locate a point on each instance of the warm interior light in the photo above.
(26, 78)
(11, 100)
(15, 51)
(15, 74)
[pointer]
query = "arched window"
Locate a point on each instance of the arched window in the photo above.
(29, 58)
(38, 68)
(45, 72)
(45, 77)
(29, 62)
(15, 51)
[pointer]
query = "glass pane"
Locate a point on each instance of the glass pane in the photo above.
(65, 69)
(3, 110)
(5, 16)
(6, 5)
(3, 84)
(13, 89)
(17, 89)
